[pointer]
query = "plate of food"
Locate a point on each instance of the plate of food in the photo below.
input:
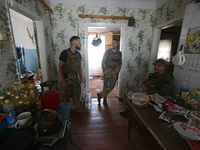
(129, 95)
(187, 131)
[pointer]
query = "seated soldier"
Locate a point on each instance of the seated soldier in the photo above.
(160, 82)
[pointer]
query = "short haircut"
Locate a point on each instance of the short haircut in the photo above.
(116, 40)
(74, 38)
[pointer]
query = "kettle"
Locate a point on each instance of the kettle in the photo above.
(50, 123)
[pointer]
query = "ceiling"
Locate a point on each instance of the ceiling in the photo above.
(142, 4)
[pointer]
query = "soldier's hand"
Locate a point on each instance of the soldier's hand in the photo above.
(64, 84)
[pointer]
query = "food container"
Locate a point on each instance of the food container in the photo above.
(193, 118)
(140, 99)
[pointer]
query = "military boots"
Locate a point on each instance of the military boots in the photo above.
(99, 97)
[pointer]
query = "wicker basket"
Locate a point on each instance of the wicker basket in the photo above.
(140, 99)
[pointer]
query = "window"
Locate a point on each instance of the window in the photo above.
(164, 50)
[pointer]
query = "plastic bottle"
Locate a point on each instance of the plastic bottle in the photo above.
(1, 101)
(16, 88)
(8, 95)
(89, 97)
(12, 98)
(32, 97)
(27, 103)
(21, 95)
(38, 102)
(183, 87)
(23, 88)
(21, 104)
(16, 101)
(26, 92)
(9, 114)
(32, 87)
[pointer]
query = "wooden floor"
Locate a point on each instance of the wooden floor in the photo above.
(103, 128)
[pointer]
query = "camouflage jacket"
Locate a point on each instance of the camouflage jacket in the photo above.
(162, 84)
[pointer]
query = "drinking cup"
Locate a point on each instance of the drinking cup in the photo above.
(23, 120)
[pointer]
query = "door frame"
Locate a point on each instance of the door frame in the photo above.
(156, 39)
(122, 39)
(40, 34)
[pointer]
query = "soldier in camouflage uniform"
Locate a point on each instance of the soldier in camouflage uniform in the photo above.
(70, 72)
(160, 82)
(111, 66)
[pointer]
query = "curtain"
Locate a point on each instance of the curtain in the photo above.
(164, 50)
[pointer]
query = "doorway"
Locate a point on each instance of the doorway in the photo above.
(36, 34)
(26, 46)
(169, 35)
(95, 55)
(156, 39)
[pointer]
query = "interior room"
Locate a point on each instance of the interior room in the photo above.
(34, 33)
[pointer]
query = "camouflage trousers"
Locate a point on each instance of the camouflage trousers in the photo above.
(110, 77)
(73, 90)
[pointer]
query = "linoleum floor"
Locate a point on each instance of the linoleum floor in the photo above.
(103, 128)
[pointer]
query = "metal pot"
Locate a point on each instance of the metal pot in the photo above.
(50, 123)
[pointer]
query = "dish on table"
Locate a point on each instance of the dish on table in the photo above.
(140, 99)
(158, 99)
(187, 131)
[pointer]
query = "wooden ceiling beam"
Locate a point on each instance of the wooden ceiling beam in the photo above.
(41, 1)
(103, 17)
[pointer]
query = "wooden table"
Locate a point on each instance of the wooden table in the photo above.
(168, 138)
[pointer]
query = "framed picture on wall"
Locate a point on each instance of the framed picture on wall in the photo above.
(192, 44)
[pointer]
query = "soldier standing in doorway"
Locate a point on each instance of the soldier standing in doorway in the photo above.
(111, 66)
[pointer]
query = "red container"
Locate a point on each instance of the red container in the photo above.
(51, 99)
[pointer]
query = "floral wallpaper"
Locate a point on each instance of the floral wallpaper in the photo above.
(169, 10)
(66, 23)
(8, 64)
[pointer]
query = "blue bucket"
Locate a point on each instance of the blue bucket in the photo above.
(2, 123)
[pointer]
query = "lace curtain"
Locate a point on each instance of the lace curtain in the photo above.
(164, 50)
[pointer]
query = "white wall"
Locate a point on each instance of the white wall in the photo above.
(191, 20)
(19, 25)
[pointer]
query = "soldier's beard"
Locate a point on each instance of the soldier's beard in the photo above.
(78, 48)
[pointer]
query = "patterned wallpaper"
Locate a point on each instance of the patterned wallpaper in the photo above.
(169, 10)
(8, 61)
(65, 23)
